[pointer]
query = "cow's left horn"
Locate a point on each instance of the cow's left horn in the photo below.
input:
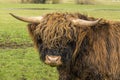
(85, 22)
(28, 19)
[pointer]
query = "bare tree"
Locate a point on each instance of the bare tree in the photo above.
(55, 1)
(84, 1)
(33, 1)
(39, 1)
(42, 1)
(22, 1)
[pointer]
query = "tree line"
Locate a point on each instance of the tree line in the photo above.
(56, 1)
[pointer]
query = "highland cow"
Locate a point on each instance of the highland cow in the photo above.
(81, 47)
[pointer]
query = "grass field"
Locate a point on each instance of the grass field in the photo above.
(18, 58)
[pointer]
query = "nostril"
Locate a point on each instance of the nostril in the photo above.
(57, 59)
(48, 58)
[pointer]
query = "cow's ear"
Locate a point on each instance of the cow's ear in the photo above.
(31, 29)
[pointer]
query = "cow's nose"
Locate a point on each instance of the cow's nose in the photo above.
(53, 60)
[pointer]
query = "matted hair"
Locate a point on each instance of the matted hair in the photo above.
(56, 30)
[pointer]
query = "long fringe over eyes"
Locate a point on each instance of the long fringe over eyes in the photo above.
(56, 31)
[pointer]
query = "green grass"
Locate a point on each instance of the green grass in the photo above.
(19, 62)
(23, 64)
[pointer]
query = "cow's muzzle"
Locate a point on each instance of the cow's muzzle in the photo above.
(53, 60)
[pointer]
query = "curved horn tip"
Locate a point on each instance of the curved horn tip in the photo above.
(98, 20)
(12, 14)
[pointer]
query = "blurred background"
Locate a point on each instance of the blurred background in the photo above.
(19, 60)
(63, 1)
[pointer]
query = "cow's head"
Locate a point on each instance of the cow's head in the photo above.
(57, 36)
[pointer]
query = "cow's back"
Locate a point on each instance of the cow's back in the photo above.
(99, 56)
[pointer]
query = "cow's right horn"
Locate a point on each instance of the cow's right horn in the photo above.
(85, 22)
(28, 19)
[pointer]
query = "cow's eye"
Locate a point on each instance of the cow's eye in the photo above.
(39, 40)
(39, 43)
(71, 43)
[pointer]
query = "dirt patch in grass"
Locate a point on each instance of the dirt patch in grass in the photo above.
(15, 45)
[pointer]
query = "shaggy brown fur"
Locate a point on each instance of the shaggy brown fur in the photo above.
(97, 50)
(56, 30)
